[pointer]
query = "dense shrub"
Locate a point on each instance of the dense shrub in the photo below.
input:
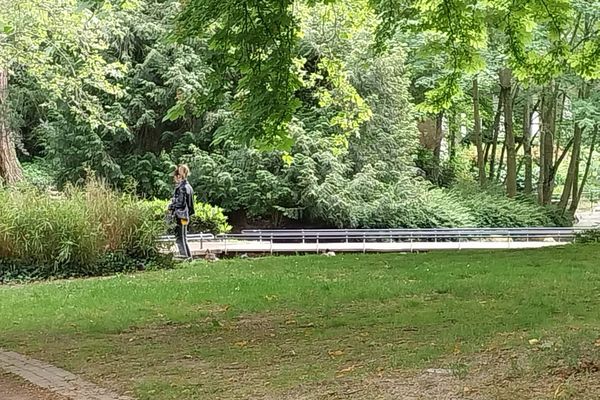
(590, 236)
(491, 208)
(207, 219)
(38, 174)
(87, 231)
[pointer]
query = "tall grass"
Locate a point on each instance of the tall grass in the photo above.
(74, 232)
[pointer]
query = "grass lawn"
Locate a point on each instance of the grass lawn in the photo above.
(492, 325)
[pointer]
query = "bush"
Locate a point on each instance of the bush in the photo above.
(38, 174)
(590, 236)
(207, 219)
(490, 208)
(81, 232)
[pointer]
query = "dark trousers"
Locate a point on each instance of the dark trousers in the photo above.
(181, 239)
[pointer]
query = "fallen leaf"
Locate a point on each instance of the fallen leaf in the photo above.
(290, 322)
(534, 342)
(243, 343)
(346, 370)
(336, 353)
(457, 349)
(597, 342)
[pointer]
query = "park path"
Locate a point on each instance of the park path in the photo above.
(49, 382)
(13, 388)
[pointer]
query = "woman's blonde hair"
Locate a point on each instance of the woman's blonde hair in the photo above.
(182, 171)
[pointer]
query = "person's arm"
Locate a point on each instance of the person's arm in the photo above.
(179, 201)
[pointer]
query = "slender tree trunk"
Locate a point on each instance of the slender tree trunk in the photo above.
(501, 161)
(577, 195)
(453, 129)
(561, 118)
(495, 134)
(477, 133)
(573, 169)
(439, 137)
(571, 182)
(511, 155)
(547, 145)
(10, 168)
(528, 160)
(575, 190)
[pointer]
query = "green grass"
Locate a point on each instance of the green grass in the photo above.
(258, 327)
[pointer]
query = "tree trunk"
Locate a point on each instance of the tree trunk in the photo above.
(528, 160)
(437, 150)
(495, 134)
(573, 169)
(548, 122)
(477, 133)
(501, 163)
(577, 195)
(453, 132)
(10, 168)
(571, 182)
(511, 155)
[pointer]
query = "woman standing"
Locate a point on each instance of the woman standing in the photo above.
(182, 209)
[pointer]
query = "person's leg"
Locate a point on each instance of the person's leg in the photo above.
(186, 245)
(179, 240)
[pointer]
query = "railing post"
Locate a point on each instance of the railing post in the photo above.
(271, 246)
(303, 237)
(364, 243)
(318, 237)
(201, 240)
(225, 244)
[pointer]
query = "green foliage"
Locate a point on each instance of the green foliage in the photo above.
(88, 231)
(590, 236)
(305, 79)
(255, 40)
(208, 219)
(491, 208)
(39, 174)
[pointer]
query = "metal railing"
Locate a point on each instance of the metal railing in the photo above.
(446, 234)
(324, 237)
(442, 234)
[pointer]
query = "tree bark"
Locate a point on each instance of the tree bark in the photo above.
(573, 169)
(477, 133)
(511, 155)
(439, 136)
(528, 160)
(495, 134)
(577, 195)
(501, 163)
(548, 122)
(10, 168)
(453, 132)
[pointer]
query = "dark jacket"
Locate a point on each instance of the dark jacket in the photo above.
(182, 204)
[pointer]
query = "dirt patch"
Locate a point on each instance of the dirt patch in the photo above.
(14, 388)
(490, 376)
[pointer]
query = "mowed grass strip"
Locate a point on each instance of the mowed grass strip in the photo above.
(264, 327)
